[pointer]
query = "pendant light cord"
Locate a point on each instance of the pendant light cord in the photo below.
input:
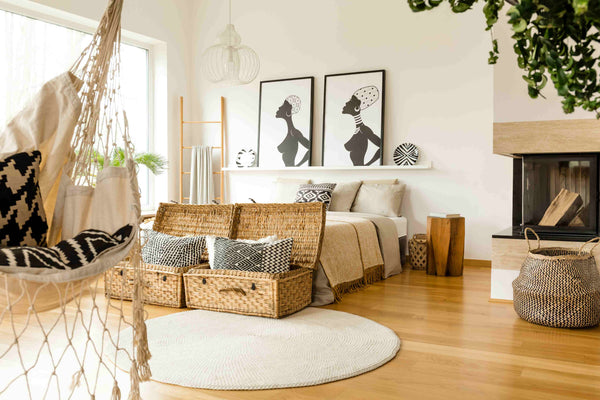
(229, 30)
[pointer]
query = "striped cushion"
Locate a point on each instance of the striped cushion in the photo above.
(271, 257)
(67, 254)
(173, 251)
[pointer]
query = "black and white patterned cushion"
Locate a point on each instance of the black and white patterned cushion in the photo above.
(311, 193)
(247, 256)
(22, 216)
(67, 254)
(173, 251)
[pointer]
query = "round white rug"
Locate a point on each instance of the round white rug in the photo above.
(212, 350)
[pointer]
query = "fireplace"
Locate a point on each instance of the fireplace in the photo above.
(556, 195)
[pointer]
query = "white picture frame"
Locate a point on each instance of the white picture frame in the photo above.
(353, 119)
(285, 123)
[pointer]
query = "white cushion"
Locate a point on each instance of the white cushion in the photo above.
(379, 199)
(285, 189)
(343, 196)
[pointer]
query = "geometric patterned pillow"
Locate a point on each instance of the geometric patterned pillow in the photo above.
(67, 254)
(311, 193)
(173, 251)
(272, 257)
(22, 216)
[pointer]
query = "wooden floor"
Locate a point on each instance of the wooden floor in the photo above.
(455, 345)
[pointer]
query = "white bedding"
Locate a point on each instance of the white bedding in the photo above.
(401, 225)
(400, 222)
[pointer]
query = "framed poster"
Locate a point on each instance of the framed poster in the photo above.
(353, 119)
(285, 122)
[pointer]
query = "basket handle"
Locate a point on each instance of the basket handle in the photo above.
(596, 239)
(233, 289)
(527, 238)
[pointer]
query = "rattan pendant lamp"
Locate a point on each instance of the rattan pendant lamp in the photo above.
(229, 61)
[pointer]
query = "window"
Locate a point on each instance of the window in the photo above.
(33, 51)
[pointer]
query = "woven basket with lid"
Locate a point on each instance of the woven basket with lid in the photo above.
(258, 293)
(163, 285)
(558, 287)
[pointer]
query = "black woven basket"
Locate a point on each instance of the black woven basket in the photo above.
(558, 287)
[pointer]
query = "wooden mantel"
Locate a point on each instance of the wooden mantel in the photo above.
(561, 136)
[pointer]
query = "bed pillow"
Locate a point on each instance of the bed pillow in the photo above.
(320, 192)
(173, 251)
(285, 189)
(343, 196)
(72, 253)
(22, 215)
(273, 257)
(379, 199)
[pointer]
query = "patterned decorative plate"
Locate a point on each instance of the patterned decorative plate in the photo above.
(406, 154)
(245, 158)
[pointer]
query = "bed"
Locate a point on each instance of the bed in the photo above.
(365, 237)
(358, 249)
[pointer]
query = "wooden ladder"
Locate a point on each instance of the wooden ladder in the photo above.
(221, 197)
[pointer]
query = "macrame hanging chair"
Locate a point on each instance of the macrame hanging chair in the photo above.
(77, 123)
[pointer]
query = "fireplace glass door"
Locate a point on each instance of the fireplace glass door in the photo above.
(560, 193)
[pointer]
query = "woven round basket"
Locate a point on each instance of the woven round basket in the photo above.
(558, 287)
(417, 249)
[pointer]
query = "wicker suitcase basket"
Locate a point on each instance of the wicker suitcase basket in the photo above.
(163, 285)
(558, 287)
(258, 293)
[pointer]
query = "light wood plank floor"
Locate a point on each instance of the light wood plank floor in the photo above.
(455, 345)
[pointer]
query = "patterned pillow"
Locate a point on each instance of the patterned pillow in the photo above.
(67, 254)
(22, 216)
(173, 251)
(315, 192)
(252, 256)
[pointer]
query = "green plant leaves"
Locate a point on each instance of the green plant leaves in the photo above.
(156, 163)
(554, 41)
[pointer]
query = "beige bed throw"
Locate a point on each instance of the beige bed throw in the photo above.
(387, 234)
(350, 255)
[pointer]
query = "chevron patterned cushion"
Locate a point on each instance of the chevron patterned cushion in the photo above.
(246, 256)
(311, 193)
(173, 251)
(67, 254)
(22, 216)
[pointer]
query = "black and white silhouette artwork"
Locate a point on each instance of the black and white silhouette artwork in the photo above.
(353, 119)
(285, 123)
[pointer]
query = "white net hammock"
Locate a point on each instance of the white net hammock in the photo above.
(59, 334)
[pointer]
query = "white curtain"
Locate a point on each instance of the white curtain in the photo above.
(201, 176)
(32, 52)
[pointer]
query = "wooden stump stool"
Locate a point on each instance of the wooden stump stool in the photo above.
(445, 252)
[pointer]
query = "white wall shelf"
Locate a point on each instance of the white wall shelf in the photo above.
(320, 168)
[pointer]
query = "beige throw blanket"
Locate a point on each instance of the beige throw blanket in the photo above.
(350, 255)
(387, 234)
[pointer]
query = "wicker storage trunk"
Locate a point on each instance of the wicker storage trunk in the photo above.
(558, 287)
(258, 293)
(163, 285)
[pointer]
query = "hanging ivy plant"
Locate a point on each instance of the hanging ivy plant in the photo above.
(554, 41)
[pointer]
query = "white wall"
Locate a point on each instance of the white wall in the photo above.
(166, 26)
(438, 96)
(511, 101)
